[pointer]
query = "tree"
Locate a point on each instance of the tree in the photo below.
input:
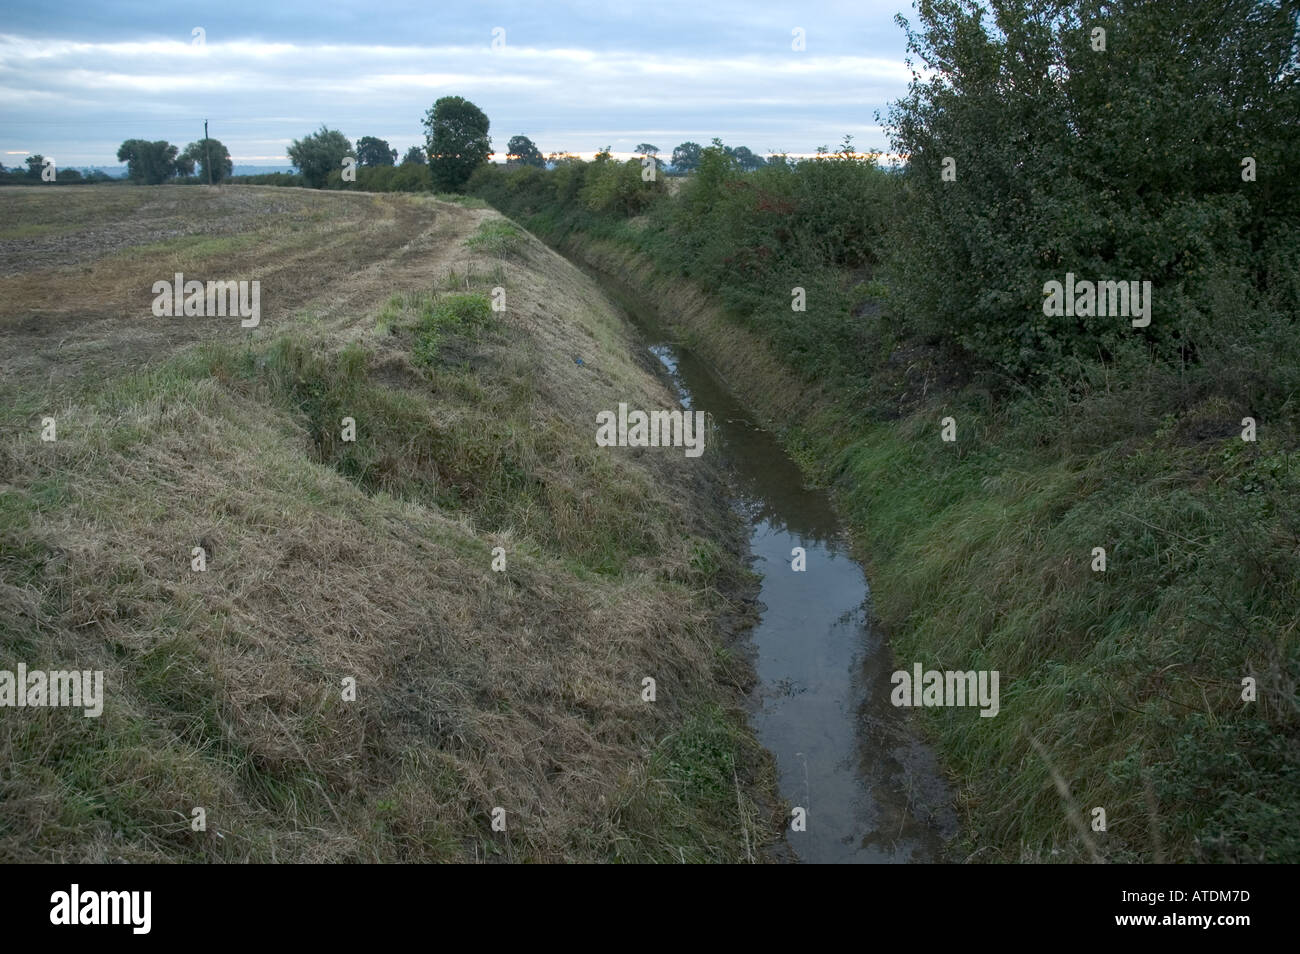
(209, 150)
(1119, 164)
(318, 154)
(375, 152)
(644, 149)
(152, 163)
(456, 139)
(686, 157)
(415, 156)
(745, 158)
(523, 151)
(34, 164)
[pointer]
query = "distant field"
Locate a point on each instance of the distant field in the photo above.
(75, 279)
(330, 560)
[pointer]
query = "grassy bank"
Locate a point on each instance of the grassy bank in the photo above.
(1121, 690)
(369, 560)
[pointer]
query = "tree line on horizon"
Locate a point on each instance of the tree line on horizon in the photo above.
(36, 164)
(456, 143)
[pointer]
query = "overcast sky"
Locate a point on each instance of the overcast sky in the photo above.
(77, 78)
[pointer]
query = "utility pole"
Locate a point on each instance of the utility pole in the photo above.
(207, 155)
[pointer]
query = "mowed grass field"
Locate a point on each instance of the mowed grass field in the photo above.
(371, 560)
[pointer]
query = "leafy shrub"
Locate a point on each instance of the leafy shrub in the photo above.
(1123, 164)
(615, 187)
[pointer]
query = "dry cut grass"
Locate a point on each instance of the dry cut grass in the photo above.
(331, 560)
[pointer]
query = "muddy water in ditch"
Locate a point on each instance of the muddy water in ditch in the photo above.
(872, 791)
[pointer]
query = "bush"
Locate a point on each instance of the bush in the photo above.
(1120, 165)
(618, 188)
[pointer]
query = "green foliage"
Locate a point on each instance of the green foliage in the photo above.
(152, 163)
(452, 315)
(207, 152)
(1123, 164)
(415, 156)
(32, 175)
(318, 154)
(745, 159)
(698, 759)
(686, 157)
(456, 139)
(375, 152)
(523, 151)
(619, 188)
(408, 177)
(695, 789)
(750, 237)
(325, 389)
